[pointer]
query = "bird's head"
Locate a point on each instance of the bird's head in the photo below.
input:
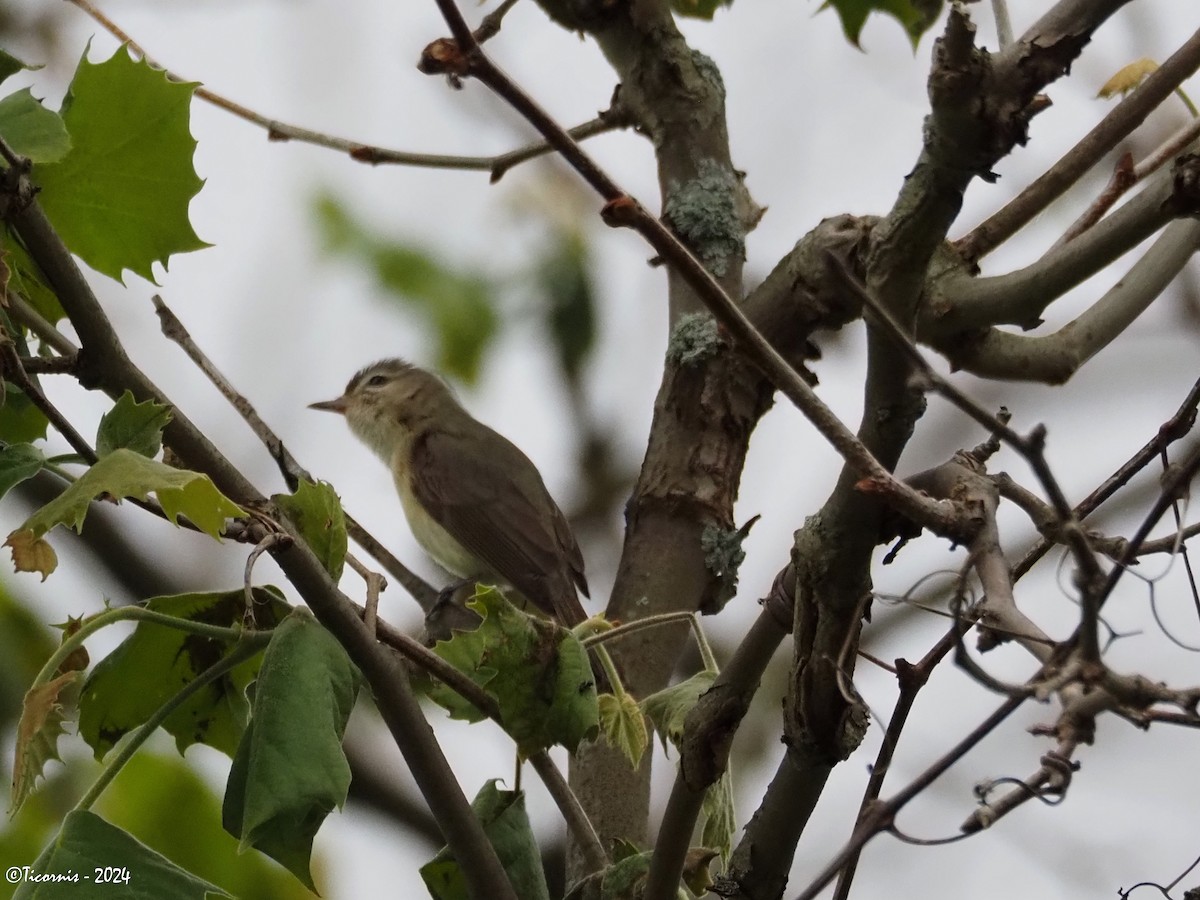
(387, 403)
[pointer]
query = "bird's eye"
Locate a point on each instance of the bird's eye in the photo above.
(376, 380)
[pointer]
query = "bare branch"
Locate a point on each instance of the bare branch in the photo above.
(1118, 124)
(360, 151)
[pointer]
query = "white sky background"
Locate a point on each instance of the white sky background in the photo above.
(821, 128)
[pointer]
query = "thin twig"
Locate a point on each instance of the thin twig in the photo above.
(24, 313)
(358, 150)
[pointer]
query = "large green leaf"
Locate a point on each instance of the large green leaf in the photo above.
(917, 16)
(157, 661)
(120, 198)
(122, 473)
(31, 129)
(289, 771)
(92, 848)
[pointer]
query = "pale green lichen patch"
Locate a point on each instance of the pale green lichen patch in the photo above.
(694, 339)
(703, 212)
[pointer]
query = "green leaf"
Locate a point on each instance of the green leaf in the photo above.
(87, 843)
(718, 815)
(134, 426)
(455, 302)
(156, 662)
(120, 198)
(668, 708)
(624, 726)
(317, 512)
(10, 65)
(20, 420)
(17, 463)
(507, 827)
(698, 9)
(537, 671)
(289, 771)
(565, 283)
(917, 16)
(31, 129)
(123, 473)
(27, 279)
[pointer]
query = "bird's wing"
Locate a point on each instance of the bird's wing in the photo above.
(497, 507)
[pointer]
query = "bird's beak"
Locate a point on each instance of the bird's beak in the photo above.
(334, 406)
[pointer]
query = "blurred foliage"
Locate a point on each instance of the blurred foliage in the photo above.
(456, 301)
(153, 794)
(563, 282)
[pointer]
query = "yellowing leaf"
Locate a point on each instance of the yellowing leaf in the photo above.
(31, 554)
(623, 725)
(122, 473)
(41, 724)
(1127, 78)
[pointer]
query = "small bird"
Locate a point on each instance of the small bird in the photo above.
(475, 503)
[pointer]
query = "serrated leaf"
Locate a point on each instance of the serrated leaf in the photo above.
(289, 771)
(120, 198)
(18, 462)
(87, 843)
(42, 718)
(456, 301)
(624, 726)
(31, 554)
(537, 671)
(1127, 78)
(668, 708)
(32, 130)
(20, 420)
(916, 16)
(124, 473)
(317, 512)
(10, 65)
(506, 824)
(132, 425)
(155, 662)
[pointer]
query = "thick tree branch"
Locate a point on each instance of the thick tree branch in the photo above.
(1054, 358)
